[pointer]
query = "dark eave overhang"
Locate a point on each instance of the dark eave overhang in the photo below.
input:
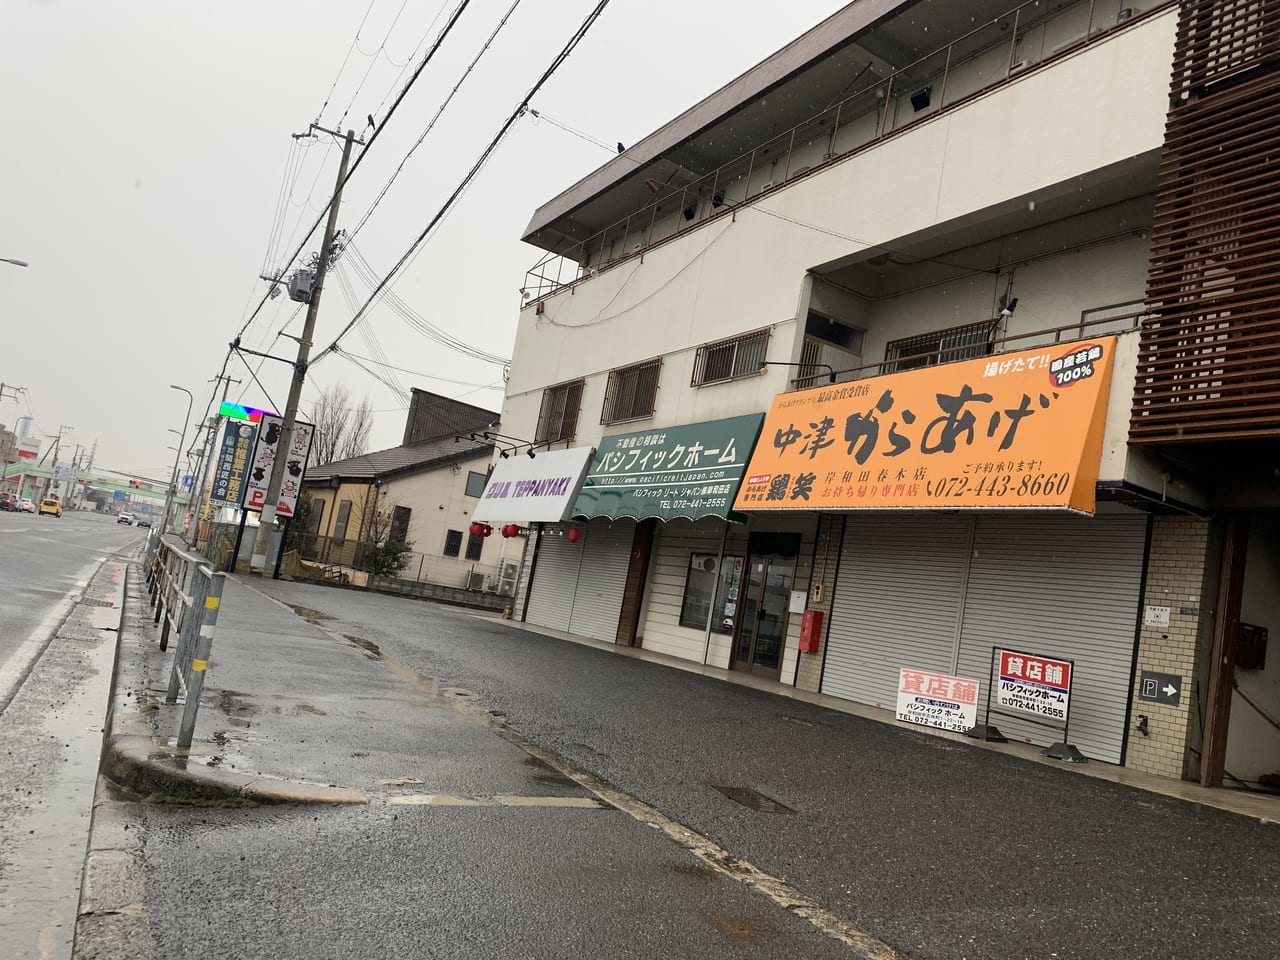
(838, 30)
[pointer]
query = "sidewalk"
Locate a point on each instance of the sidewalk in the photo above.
(292, 712)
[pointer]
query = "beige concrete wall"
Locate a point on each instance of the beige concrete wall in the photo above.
(1176, 567)
(826, 559)
(747, 271)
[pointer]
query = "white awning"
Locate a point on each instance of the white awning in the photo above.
(538, 489)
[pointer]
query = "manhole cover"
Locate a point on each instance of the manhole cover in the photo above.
(753, 799)
(97, 603)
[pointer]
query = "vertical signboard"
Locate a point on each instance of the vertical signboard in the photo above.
(1035, 686)
(937, 700)
(233, 462)
(264, 457)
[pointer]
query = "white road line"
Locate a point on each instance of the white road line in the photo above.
(715, 856)
(14, 671)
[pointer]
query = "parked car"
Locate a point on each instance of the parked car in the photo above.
(51, 506)
(8, 501)
(125, 518)
(26, 506)
(143, 522)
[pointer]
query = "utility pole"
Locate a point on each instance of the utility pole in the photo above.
(57, 446)
(206, 458)
(15, 392)
(267, 519)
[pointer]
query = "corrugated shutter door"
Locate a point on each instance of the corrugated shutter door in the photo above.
(555, 577)
(602, 580)
(1062, 587)
(896, 603)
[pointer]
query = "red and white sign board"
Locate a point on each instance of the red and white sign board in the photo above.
(1033, 685)
(28, 449)
(264, 457)
(937, 700)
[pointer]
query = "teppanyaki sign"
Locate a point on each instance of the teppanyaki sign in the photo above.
(1013, 430)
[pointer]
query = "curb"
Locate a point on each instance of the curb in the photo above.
(150, 768)
(135, 758)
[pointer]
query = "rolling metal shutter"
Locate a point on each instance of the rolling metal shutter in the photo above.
(602, 579)
(1062, 587)
(555, 578)
(896, 603)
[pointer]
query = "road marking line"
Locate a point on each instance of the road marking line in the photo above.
(715, 856)
(450, 800)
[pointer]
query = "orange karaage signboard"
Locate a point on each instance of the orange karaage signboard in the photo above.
(1020, 430)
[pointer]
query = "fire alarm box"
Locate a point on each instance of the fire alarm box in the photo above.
(810, 631)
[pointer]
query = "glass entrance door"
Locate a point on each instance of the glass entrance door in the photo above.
(762, 621)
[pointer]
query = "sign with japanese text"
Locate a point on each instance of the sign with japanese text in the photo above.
(265, 452)
(1034, 685)
(233, 462)
(1013, 430)
(532, 490)
(937, 700)
(689, 471)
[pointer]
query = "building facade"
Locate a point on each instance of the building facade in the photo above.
(985, 240)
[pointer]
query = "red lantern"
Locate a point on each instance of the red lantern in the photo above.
(476, 529)
(486, 531)
(510, 530)
(574, 535)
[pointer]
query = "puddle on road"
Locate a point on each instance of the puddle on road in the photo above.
(311, 616)
(740, 929)
(371, 649)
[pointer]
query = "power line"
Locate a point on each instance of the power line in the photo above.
(431, 124)
(372, 63)
(574, 40)
(416, 321)
(416, 373)
(338, 76)
(377, 132)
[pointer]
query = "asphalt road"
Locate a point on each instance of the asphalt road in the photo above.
(942, 849)
(55, 670)
(41, 560)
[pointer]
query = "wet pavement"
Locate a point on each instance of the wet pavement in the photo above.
(530, 797)
(52, 713)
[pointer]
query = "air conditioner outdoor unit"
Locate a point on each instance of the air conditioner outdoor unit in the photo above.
(475, 580)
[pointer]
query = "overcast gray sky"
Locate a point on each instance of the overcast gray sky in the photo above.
(146, 142)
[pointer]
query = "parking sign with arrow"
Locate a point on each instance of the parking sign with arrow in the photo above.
(1163, 688)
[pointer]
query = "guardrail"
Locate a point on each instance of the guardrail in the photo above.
(186, 595)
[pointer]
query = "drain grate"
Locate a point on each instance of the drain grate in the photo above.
(97, 603)
(752, 799)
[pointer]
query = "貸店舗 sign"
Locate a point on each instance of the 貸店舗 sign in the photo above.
(1021, 430)
(689, 471)
(541, 488)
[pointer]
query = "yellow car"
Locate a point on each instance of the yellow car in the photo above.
(51, 506)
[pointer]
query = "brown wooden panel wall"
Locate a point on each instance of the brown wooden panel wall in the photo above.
(1209, 365)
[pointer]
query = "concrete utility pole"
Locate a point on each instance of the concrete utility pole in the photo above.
(15, 393)
(267, 520)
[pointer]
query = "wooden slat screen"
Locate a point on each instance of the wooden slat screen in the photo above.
(1209, 362)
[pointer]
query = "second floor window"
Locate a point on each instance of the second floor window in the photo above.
(558, 418)
(940, 346)
(632, 392)
(740, 356)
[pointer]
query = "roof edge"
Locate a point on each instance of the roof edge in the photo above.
(829, 35)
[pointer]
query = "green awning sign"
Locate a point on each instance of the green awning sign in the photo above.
(690, 471)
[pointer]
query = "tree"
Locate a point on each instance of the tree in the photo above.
(385, 546)
(342, 426)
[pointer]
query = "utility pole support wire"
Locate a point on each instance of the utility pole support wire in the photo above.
(268, 517)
